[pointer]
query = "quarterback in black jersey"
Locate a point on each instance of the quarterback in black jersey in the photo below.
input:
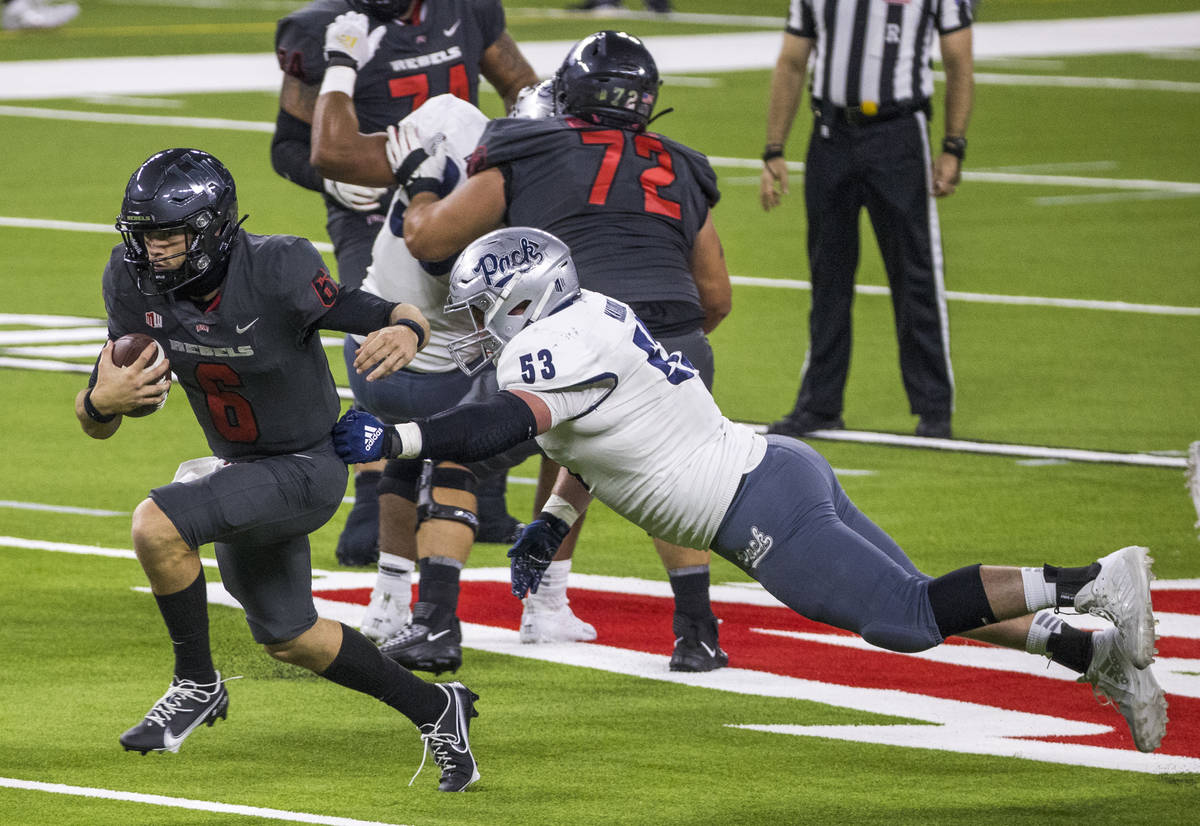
(238, 316)
(635, 209)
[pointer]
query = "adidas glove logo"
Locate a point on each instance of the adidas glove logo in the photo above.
(371, 436)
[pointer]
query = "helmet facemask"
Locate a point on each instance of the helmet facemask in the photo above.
(507, 280)
(179, 191)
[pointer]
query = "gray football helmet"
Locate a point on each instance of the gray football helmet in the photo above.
(507, 280)
(535, 102)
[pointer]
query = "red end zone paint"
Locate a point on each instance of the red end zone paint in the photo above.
(643, 623)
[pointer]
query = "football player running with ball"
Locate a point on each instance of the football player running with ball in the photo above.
(238, 315)
(640, 432)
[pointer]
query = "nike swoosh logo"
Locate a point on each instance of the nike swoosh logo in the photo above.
(170, 741)
(438, 635)
(241, 329)
(450, 31)
(712, 652)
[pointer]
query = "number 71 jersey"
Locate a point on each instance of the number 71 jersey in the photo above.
(628, 204)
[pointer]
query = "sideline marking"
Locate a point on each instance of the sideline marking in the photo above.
(23, 336)
(862, 436)
(36, 506)
(187, 803)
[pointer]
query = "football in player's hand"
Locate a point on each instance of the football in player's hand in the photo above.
(125, 352)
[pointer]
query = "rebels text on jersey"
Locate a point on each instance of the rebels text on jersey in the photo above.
(633, 421)
(437, 54)
(255, 374)
(628, 204)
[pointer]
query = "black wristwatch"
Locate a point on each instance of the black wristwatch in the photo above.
(955, 146)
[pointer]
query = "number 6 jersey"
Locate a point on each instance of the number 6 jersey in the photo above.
(632, 420)
(251, 363)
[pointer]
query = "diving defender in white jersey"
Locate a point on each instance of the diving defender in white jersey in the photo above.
(640, 432)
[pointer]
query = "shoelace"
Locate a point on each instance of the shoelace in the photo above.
(171, 703)
(439, 739)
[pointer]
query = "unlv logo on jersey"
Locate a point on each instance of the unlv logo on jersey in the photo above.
(491, 265)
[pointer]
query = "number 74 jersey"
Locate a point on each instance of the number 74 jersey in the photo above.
(628, 204)
(632, 420)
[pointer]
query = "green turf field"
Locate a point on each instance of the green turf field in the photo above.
(1082, 194)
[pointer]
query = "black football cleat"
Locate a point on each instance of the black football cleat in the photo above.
(448, 738)
(428, 643)
(177, 713)
(696, 645)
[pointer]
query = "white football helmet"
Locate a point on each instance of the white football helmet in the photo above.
(507, 280)
(534, 102)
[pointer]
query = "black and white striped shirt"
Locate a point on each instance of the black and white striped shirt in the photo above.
(875, 50)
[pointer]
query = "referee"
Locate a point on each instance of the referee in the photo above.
(872, 81)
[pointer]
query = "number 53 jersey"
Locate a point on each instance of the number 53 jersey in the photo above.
(633, 421)
(628, 204)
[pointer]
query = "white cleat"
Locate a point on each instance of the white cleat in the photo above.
(560, 625)
(386, 615)
(1121, 594)
(1135, 692)
(36, 14)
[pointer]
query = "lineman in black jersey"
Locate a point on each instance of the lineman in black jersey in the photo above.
(634, 207)
(425, 49)
(238, 315)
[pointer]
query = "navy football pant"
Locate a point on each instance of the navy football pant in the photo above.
(820, 556)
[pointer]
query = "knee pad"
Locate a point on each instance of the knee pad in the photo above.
(446, 477)
(401, 477)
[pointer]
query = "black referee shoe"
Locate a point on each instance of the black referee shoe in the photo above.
(934, 426)
(801, 423)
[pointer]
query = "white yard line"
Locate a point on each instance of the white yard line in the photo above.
(185, 803)
(675, 54)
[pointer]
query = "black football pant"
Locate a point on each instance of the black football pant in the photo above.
(884, 167)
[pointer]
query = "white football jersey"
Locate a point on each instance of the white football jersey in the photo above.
(394, 274)
(634, 422)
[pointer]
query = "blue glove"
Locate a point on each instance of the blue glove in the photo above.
(359, 437)
(533, 551)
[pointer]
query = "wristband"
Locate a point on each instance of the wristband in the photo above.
(955, 146)
(415, 327)
(410, 440)
(772, 151)
(339, 78)
(91, 411)
(561, 508)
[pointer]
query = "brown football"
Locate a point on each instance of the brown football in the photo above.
(125, 351)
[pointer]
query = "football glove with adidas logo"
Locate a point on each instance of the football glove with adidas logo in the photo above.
(359, 437)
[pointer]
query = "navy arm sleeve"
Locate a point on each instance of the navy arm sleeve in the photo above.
(473, 432)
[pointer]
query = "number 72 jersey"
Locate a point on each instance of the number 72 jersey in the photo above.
(628, 204)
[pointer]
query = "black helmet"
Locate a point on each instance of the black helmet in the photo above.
(382, 10)
(608, 77)
(185, 190)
